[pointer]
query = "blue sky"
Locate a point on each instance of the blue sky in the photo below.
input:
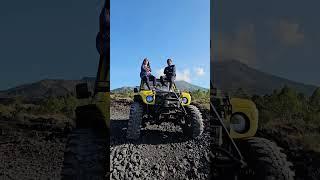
(158, 30)
(56, 39)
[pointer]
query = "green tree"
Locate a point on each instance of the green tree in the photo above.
(69, 104)
(315, 100)
(289, 104)
(53, 105)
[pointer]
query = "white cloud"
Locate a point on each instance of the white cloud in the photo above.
(184, 75)
(289, 33)
(199, 71)
(181, 75)
(159, 72)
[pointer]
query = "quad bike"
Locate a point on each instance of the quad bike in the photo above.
(236, 153)
(161, 105)
(86, 155)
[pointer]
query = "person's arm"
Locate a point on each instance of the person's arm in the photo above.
(144, 67)
(174, 70)
(165, 71)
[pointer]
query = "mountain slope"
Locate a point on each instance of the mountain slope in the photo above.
(182, 85)
(43, 88)
(58, 87)
(229, 75)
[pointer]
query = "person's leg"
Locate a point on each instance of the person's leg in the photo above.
(153, 80)
(146, 80)
(162, 81)
(171, 80)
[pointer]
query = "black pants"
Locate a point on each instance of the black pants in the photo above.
(170, 79)
(146, 79)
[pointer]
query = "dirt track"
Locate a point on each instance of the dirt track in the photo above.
(162, 152)
(31, 149)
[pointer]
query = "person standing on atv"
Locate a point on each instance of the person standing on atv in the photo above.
(145, 73)
(170, 74)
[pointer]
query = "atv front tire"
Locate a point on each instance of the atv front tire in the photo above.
(135, 120)
(265, 160)
(193, 126)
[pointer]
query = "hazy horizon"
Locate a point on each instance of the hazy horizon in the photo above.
(138, 83)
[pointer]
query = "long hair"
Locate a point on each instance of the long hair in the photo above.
(144, 60)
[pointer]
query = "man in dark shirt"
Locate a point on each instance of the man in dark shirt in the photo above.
(170, 73)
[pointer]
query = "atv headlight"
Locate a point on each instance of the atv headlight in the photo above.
(239, 123)
(184, 100)
(149, 99)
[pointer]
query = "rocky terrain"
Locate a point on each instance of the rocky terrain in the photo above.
(32, 147)
(161, 153)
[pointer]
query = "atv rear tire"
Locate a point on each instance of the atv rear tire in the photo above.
(86, 155)
(265, 160)
(135, 120)
(193, 126)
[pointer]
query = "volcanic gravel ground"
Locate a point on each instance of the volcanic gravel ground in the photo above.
(31, 150)
(161, 153)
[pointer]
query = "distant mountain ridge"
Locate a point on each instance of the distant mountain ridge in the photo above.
(45, 88)
(59, 87)
(228, 75)
(182, 85)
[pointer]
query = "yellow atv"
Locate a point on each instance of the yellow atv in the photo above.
(236, 153)
(161, 105)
